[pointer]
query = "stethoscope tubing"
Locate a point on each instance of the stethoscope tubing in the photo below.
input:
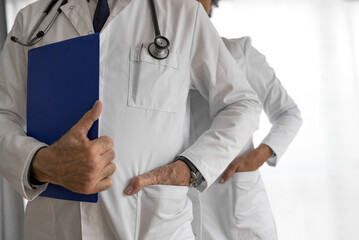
(158, 49)
(154, 18)
(37, 38)
(41, 19)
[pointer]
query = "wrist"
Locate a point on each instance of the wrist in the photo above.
(186, 171)
(265, 151)
(37, 175)
(196, 177)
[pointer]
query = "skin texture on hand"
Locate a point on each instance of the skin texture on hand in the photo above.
(74, 161)
(177, 174)
(249, 161)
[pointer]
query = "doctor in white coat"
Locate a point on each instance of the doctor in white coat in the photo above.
(239, 208)
(144, 122)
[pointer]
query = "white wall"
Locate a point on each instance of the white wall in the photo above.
(12, 7)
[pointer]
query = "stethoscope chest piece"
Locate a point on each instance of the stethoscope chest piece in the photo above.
(159, 48)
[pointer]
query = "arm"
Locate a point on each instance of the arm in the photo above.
(16, 149)
(233, 104)
(280, 108)
(20, 154)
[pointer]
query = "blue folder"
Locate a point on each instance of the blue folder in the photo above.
(62, 85)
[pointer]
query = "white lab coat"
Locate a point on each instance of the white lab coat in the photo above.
(239, 209)
(145, 111)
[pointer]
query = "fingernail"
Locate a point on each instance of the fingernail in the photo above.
(95, 105)
(221, 181)
(129, 190)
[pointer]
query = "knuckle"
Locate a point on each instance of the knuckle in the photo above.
(110, 183)
(136, 182)
(112, 155)
(109, 140)
(89, 179)
(92, 150)
(232, 166)
(91, 165)
(113, 168)
(87, 190)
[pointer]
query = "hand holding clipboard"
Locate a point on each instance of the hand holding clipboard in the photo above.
(76, 162)
(62, 85)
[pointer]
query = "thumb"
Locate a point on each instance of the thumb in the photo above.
(87, 120)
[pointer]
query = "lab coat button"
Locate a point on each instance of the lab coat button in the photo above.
(71, 7)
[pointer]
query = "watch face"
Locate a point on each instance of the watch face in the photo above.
(196, 179)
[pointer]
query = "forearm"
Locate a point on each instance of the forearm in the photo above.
(17, 151)
(282, 132)
(219, 145)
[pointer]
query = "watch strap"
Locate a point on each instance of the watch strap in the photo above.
(196, 177)
(188, 162)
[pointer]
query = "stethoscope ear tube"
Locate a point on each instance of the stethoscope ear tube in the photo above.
(37, 38)
(51, 5)
(159, 49)
(154, 18)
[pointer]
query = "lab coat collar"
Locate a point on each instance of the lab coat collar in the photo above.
(78, 13)
(117, 9)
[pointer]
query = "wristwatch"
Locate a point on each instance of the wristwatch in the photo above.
(196, 177)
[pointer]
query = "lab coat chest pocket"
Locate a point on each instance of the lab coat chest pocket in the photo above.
(154, 84)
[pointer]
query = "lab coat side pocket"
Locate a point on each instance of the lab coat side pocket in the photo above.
(165, 213)
(253, 217)
(154, 84)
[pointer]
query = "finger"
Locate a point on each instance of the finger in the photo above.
(86, 122)
(107, 171)
(108, 156)
(139, 182)
(228, 173)
(104, 142)
(103, 185)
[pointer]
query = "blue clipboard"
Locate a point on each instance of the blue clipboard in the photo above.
(62, 85)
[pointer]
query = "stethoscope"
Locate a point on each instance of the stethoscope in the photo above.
(31, 41)
(158, 49)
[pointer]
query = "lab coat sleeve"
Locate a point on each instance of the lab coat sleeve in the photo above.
(233, 104)
(280, 108)
(16, 149)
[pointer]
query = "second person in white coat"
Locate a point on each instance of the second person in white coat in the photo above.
(236, 206)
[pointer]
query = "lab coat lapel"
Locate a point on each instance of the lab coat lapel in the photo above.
(119, 6)
(79, 15)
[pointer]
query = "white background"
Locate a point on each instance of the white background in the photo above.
(314, 47)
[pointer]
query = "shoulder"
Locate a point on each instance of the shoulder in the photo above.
(26, 14)
(243, 48)
(238, 46)
(37, 6)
